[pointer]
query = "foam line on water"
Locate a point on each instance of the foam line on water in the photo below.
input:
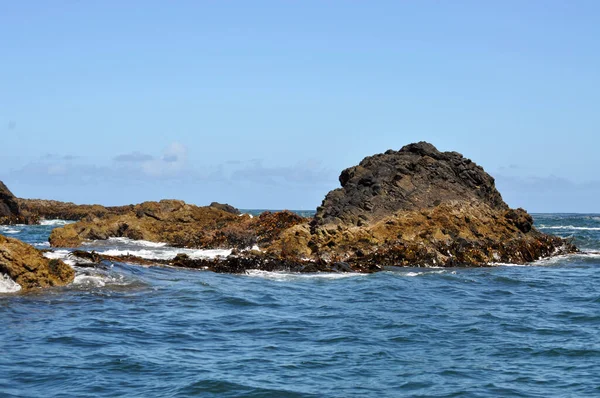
(167, 253)
(281, 276)
(569, 227)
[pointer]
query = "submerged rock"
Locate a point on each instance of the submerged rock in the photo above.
(27, 266)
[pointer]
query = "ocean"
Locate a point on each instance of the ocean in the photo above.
(133, 331)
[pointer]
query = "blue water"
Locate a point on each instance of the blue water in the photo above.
(132, 331)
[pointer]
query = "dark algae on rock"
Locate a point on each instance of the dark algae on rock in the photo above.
(413, 207)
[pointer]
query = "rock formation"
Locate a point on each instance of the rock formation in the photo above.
(180, 224)
(412, 207)
(54, 209)
(416, 177)
(26, 265)
(10, 212)
(418, 206)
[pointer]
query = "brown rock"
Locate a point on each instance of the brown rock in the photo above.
(56, 210)
(29, 268)
(181, 225)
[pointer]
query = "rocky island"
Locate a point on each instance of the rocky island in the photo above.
(413, 207)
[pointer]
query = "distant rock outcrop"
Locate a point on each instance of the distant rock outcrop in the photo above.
(56, 210)
(179, 224)
(26, 265)
(10, 212)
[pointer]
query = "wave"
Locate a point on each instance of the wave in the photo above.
(56, 222)
(7, 285)
(99, 280)
(412, 273)
(572, 227)
(9, 230)
(60, 255)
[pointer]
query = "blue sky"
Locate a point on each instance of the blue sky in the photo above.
(261, 104)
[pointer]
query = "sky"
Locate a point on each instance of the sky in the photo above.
(261, 104)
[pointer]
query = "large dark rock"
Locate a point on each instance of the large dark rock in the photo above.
(9, 207)
(418, 176)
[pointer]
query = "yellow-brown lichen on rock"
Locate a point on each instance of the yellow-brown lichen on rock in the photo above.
(180, 224)
(27, 266)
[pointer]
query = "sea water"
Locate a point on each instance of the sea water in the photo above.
(126, 330)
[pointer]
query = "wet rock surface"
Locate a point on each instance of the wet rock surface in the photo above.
(27, 266)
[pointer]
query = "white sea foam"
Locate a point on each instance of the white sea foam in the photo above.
(9, 230)
(7, 285)
(89, 280)
(60, 255)
(569, 227)
(167, 253)
(411, 273)
(55, 222)
(281, 276)
(148, 250)
(94, 279)
(143, 243)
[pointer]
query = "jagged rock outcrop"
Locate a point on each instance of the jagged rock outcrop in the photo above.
(54, 209)
(26, 265)
(10, 212)
(179, 224)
